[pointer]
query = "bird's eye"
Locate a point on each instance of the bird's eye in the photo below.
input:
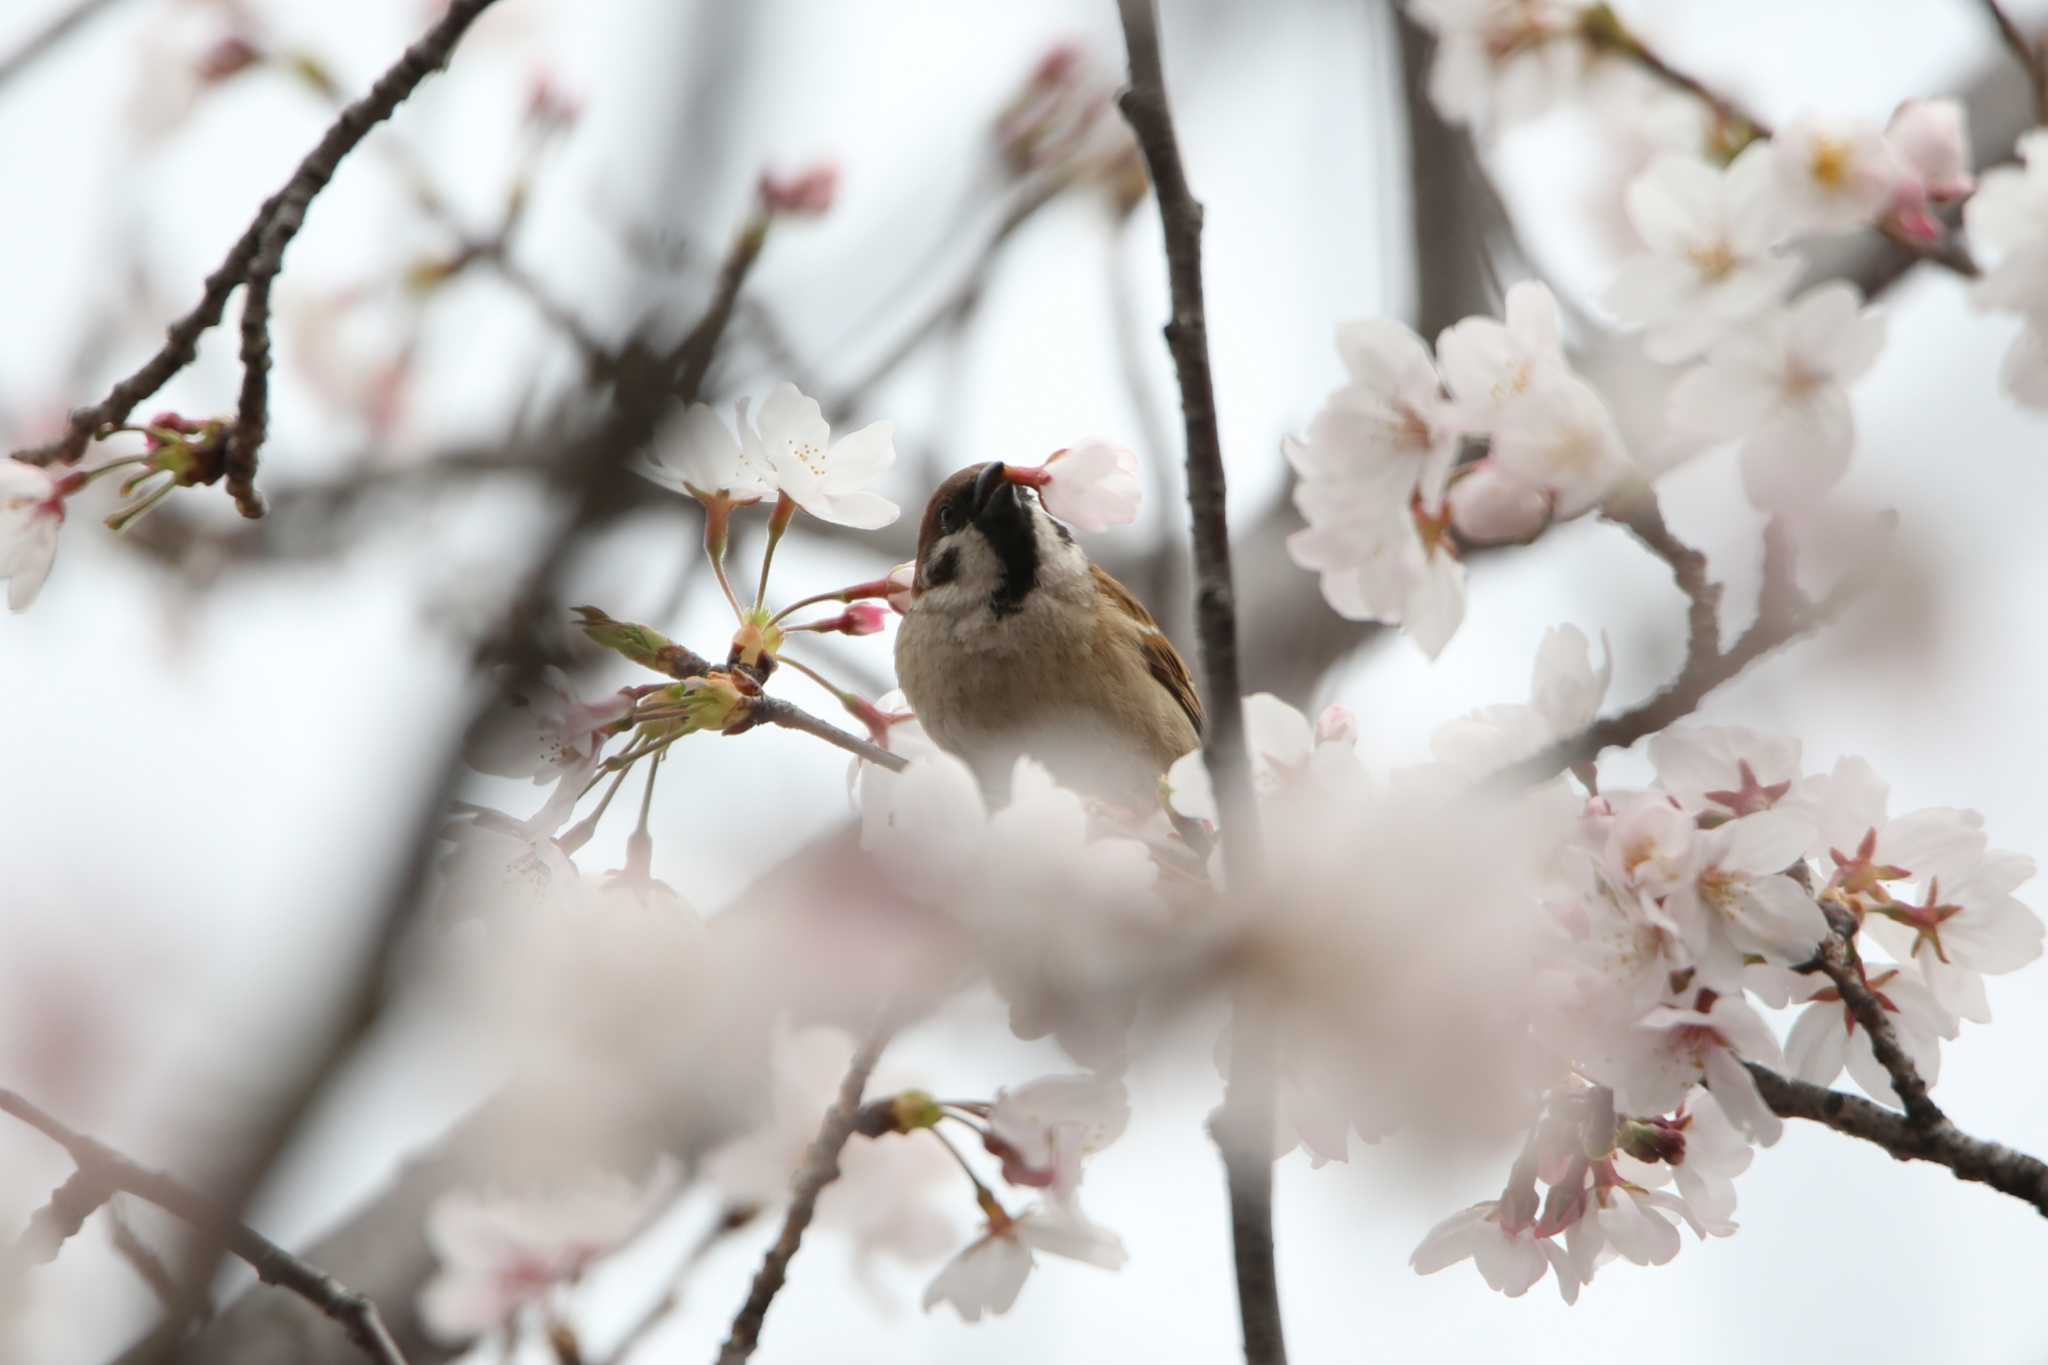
(949, 519)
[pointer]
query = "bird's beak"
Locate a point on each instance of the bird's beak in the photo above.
(994, 495)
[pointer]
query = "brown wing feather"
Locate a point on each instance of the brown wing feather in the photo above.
(1160, 656)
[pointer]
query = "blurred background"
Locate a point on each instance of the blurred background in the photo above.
(218, 734)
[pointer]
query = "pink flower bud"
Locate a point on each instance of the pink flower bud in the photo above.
(1489, 505)
(865, 618)
(807, 194)
(1931, 140)
(1057, 66)
(1336, 725)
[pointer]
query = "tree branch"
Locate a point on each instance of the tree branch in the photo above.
(1783, 614)
(38, 44)
(1941, 1142)
(1838, 958)
(1245, 1127)
(107, 1171)
(2031, 58)
(820, 1168)
(255, 250)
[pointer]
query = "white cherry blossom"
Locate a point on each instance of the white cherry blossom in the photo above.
(1048, 1124)
(1781, 386)
(988, 1274)
(1826, 1038)
(498, 1252)
(1711, 260)
(31, 514)
(1501, 60)
(790, 438)
(1091, 486)
(1388, 563)
(544, 732)
(2008, 223)
(1491, 506)
(1560, 437)
(1488, 363)
(1510, 1258)
(702, 458)
(1390, 430)
(1832, 175)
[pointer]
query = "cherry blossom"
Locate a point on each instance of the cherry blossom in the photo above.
(2008, 223)
(1832, 175)
(1390, 430)
(1698, 1150)
(1286, 752)
(1507, 1253)
(1825, 1038)
(1092, 486)
(1046, 1126)
(1781, 386)
(1491, 506)
(545, 732)
(497, 865)
(1501, 60)
(1393, 564)
(498, 1252)
(1488, 364)
(1736, 903)
(1711, 261)
(704, 459)
(988, 1274)
(1560, 437)
(1724, 770)
(790, 438)
(31, 513)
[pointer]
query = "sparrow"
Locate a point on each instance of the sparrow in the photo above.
(1015, 644)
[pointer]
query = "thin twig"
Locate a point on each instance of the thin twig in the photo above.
(181, 342)
(1244, 1129)
(2031, 58)
(1784, 613)
(1975, 1159)
(776, 711)
(142, 1257)
(39, 44)
(730, 1220)
(820, 1168)
(107, 1169)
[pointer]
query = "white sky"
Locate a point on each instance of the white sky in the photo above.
(199, 796)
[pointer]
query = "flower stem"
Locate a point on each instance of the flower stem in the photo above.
(778, 522)
(579, 833)
(717, 522)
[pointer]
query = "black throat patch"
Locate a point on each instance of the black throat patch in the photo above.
(1011, 536)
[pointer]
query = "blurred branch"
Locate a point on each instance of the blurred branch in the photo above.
(1783, 613)
(820, 1168)
(256, 250)
(1455, 217)
(957, 302)
(43, 40)
(108, 1171)
(2033, 60)
(730, 1219)
(1244, 1129)
(1974, 1159)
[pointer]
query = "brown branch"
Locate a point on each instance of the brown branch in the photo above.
(820, 1168)
(107, 1170)
(1784, 613)
(39, 44)
(1974, 1159)
(2031, 58)
(766, 710)
(1244, 1130)
(250, 251)
(1838, 958)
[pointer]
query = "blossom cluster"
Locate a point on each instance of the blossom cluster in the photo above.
(1378, 476)
(1672, 916)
